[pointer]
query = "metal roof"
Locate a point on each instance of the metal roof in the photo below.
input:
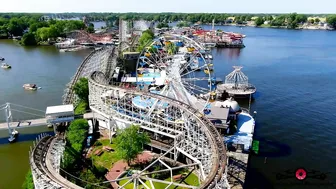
(59, 109)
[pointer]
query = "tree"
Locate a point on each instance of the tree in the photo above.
(331, 20)
(311, 21)
(81, 89)
(75, 136)
(28, 183)
(259, 21)
(317, 20)
(90, 28)
(146, 37)
(28, 39)
(182, 24)
(43, 33)
(162, 25)
(130, 143)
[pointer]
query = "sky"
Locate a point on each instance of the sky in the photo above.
(186, 6)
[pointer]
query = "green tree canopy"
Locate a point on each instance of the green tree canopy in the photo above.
(182, 24)
(28, 183)
(43, 33)
(28, 39)
(317, 20)
(90, 28)
(130, 142)
(331, 20)
(162, 25)
(259, 21)
(75, 136)
(146, 37)
(81, 89)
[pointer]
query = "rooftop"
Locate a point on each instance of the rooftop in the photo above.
(60, 109)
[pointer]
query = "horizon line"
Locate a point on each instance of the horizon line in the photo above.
(102, 12)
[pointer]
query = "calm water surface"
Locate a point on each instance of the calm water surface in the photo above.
(294, 72)
(47, 68)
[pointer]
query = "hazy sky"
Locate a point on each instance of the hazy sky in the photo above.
(216, 6)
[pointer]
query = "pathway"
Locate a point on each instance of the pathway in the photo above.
(26, 123)
(120, 166)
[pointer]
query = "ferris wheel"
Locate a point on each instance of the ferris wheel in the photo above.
(176, 67)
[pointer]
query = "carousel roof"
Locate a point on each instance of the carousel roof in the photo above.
(236, 77)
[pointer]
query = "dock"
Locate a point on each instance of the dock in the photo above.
(229, 45)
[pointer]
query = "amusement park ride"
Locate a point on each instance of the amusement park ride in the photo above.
(172, 96)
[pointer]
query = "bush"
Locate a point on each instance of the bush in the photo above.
(28, 39)
(29, 182)
(98, 143)
(76, 136)
(81, 108)
(100, 171)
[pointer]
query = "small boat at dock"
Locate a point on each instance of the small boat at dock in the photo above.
(14, 134)
(6, 66)
(12, 139)
(31, 87)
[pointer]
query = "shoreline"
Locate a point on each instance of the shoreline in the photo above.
(275, 27)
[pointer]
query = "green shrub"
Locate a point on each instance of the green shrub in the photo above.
(29, 182)
(98, 143)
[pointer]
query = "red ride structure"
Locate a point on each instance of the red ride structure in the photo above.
(81, 36)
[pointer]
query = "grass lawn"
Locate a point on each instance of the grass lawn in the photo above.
(81, 108)
(107, 159)
(192, 179)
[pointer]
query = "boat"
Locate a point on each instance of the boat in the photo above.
(13, 136)
(31, 87)
(15, 133)
(6, 66)
(12, 139)
(2, 58)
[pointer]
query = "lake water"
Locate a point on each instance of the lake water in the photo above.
(294, 72)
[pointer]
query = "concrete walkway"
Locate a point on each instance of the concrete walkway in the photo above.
(121, 166)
